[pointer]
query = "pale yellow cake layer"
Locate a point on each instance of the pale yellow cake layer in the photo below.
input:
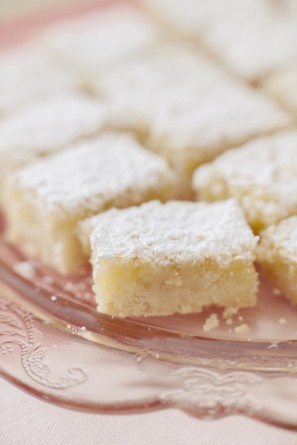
(179, 257)
(139, 289)
(186, 108)
(261, 176)
(277, 256)
(283, 86)
(250, 37)
(28, 75)
(44, 201)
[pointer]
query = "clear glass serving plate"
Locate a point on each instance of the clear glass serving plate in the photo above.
(56, 346)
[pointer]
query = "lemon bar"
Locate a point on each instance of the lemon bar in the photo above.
(188, 109)
(251, 37)
(261, 176)
(44, 201)
(277, 256)
(28, 74)
(47, 126)
(178, 257)
(100, 41)
(283, 86)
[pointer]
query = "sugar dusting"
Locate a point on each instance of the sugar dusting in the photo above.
(48, 126)
(233, 29)
(261, 175)
(125, 28)
(161, 234)
(186, 103)
(29, 74)
(111, 170)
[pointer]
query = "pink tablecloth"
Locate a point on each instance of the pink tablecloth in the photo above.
(28, 421)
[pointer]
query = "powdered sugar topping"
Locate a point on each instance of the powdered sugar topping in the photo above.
(174, 232)
(186, 103)
(99, 41)
(111, 170)
(251, 36)
(261, 174)
(269, 162)
(48, 126)
(28, 74)
(284, 238)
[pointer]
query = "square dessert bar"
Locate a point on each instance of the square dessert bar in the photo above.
(187, 108)
(44, 201)
(277, 256)
(283, 86)
(101, 40)
(159, 259)
(28, 74)
(47, 126)
(251, 37)
(261, 176)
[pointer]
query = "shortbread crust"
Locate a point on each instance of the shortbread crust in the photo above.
(277, 256)
(261, 176)
(44, 202)
(158, 259)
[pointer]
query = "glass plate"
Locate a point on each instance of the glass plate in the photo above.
(56, 346)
